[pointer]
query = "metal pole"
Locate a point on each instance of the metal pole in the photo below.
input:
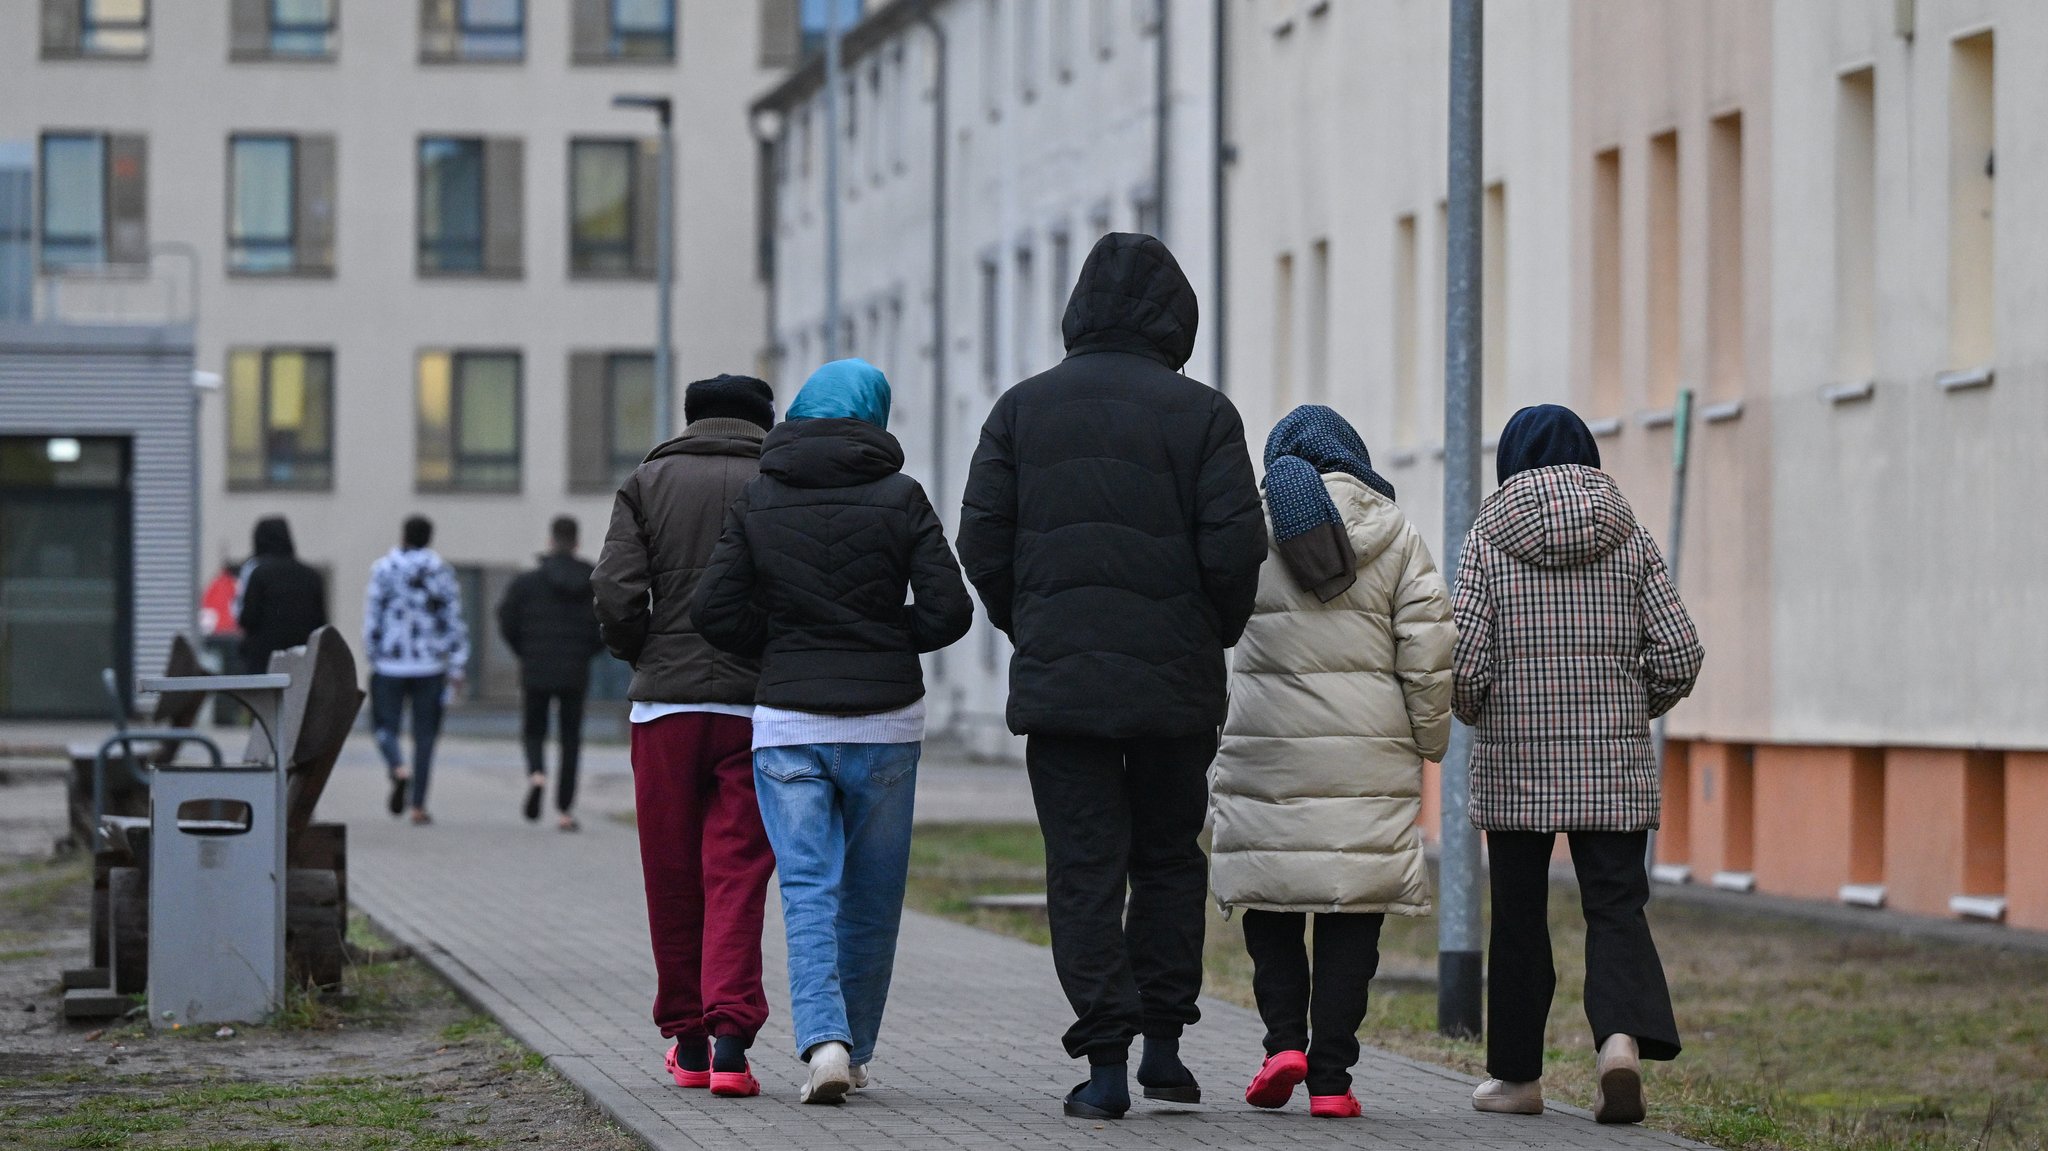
(1459, 951)
(1162, 116)
(1681, 454)
(831, 179)
(664, 276)
(1222, 155)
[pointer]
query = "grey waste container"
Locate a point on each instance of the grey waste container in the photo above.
(216, 894)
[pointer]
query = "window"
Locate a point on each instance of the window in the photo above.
(877, 119)
(1101, 28)
(992, 58)
(93, 196)
(630, 30)
(282, 29)
(781, 33)
(1024, 340)
(280, 405)
(1063, 40)
(1606, 303)
(471, 206)
(468, 421)
(1855, 227)
(472, 30)
(1661, 252)
(612, 192)
(1407, 267)
(1972, 121)
(17, 231)
(991, 308)
(1283, 334)
(74, 28)
(1493, 309)
(281, 204)
(1317, 330)
(1727, 343)
(1028, 22)
(815, 15)
(1145, 212)
(611, 417)
(1061, 281)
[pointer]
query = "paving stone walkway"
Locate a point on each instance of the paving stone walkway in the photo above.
(548, 933)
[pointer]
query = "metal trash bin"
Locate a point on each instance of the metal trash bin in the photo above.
(216, 894)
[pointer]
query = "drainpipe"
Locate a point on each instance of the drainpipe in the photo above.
(1162, 111)
(1224, 154)
(939, 128)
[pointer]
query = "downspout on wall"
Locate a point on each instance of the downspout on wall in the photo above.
(1222, 156)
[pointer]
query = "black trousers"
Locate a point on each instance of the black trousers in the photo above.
(1625, 989)
(1124, 815)
(1317, 1012)
(534, 730)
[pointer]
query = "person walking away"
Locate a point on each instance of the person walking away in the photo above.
(703, 852)
(1112, 526)
(418, 644)
(1571, 639)
(1339, 689)
(811, 574)
(281, 600)
(547, 620)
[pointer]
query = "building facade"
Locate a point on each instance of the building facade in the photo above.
(425, 243)
(1812, 216)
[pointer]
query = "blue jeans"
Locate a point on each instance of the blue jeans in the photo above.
(389, 697)
(838, 816)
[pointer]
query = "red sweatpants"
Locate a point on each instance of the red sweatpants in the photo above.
(706, 859)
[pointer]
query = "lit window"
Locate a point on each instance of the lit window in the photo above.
(302, 27)
(280, 418)
(491, 29)
(606, 228)
(468, 421)
(113, 27)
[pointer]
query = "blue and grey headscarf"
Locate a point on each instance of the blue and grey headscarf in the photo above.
(844, 389)
(1308, 443)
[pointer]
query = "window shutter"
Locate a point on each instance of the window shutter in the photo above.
(128, 199)
(249, 30)
(504, 205)
(590, 30)
(781, 34)
(313, 214)
(589, 455)
(646, 206)
(438, 30)
(60, 28)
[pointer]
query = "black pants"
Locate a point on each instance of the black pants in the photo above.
(1315, 1012)
(1124, 814)
(1625, 989)
(534, 729)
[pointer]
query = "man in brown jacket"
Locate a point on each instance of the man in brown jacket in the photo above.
(693, 774)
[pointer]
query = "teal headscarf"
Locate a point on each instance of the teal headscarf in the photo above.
(844, 389)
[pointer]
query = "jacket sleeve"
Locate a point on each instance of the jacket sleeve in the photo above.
(1672, 654)
(1472, 612)
(1230, 525)
(373, 613)
(988, 520)
(1424, 638)
(940, 612)
(726, 611)
(624, 577)
(508, 614)
(250, 609)
(448, 594)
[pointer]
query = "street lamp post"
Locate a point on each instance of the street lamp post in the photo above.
(664, 264)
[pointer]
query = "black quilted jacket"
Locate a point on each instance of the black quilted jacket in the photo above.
(812, 570)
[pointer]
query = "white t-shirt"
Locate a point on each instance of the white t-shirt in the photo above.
(646, 712)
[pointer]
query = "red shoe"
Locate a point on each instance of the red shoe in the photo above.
(683, 1076)
(735, 1084)
(1274, 1085)
(1343, 1106)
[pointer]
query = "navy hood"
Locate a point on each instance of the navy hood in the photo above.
(1544, 436)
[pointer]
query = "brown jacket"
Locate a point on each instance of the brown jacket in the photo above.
(665, 522)
(1571, 640)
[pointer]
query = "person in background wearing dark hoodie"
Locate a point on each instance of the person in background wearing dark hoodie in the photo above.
(1112, 526)
(547, 620)
(1571, 639)
(281, 601)
(703, 851)
(811, 575)
(418, 645)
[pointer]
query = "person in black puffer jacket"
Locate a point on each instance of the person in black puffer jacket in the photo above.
(811, 575)
(281, 601)
(1113, 528)
(548, 620)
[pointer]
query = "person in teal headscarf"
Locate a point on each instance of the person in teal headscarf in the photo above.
(844, 389)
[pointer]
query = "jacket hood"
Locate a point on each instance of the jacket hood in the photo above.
(1132, 297)
(1372, 522)
(717, 436)
(844, 389)
(565, 576)
(830, 453)
(1563, 516)
(1543, 436)
(273, 537)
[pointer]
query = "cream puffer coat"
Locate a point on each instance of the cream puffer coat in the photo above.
(1333, 708)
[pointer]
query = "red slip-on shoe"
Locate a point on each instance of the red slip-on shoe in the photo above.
(735, 1084)
(1274, 1085)
(683, 1076)
(1343, 1106)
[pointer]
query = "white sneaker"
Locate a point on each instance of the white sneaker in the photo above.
(1619, 1097)
(858, 1075)
(1499, 1097)
(831, 1074)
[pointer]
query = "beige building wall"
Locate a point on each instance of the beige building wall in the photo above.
(377, 98)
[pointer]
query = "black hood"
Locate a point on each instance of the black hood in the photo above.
(835, 453)
(565, 576)
(1132, 297)
(273, 537)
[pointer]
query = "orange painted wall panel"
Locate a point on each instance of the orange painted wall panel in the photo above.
(1674, 839)
(1944, 827)
(1723, 805)
(1819, 819)
(2026, 839)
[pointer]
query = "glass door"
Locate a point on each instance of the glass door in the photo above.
(65, 574)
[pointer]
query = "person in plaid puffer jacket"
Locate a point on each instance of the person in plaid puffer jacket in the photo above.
(1571, 639)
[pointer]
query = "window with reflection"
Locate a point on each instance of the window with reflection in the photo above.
(469, 407)
(280, 405)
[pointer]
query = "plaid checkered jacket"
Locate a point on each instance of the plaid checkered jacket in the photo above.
(1570, 640)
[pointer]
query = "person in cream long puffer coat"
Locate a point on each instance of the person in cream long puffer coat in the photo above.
(1339, 690)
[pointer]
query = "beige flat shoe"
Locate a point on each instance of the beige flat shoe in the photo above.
(1619, 1097)
(1499, 1097)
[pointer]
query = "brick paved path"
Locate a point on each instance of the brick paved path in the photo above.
(548, 933)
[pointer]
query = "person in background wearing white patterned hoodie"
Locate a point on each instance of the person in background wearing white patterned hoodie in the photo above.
(418, 645)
